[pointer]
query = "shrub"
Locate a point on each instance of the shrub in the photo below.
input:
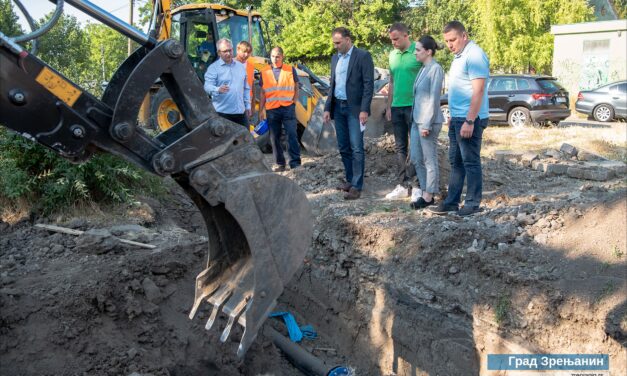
(39, 175)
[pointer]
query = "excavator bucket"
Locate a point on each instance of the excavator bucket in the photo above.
(258, 236)
(319, 138)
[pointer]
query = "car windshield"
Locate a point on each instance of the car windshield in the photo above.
(550, 85)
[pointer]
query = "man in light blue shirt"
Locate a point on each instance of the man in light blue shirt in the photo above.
(340, 74)
(225, 81)
(468, 103)
(352, 87)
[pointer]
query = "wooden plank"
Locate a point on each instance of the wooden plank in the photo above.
(71, 231)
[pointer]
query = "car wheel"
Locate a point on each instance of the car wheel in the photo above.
(519, 117)
(446, 113)
(603, 112)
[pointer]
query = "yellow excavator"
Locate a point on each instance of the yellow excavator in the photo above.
(198, 27)
(259, 224)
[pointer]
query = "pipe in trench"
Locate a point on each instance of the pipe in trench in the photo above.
(299, 357)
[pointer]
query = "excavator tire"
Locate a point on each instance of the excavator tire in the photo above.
(164, 112)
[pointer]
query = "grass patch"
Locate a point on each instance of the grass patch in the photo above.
(617, 252)
(502, 309)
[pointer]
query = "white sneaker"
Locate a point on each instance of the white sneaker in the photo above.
(416, 193)
(398, 193)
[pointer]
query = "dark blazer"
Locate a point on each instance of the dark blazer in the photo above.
(359, 82)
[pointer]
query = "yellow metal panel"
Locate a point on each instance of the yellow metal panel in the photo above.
(58, 86)
(214, 7)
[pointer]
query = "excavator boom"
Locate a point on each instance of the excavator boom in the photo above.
(259, 223)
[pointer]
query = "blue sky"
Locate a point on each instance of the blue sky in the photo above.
(38, 8)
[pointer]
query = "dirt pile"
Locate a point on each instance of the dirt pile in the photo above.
(90, 305)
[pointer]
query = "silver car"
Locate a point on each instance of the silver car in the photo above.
(604, 103)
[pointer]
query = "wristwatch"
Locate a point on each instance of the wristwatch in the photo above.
(470, 122)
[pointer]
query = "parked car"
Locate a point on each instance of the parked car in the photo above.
(520, 100)
(604, 103)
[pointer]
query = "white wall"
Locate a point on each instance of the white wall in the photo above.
(590, 54)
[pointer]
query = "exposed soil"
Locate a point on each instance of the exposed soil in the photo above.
(389, 290)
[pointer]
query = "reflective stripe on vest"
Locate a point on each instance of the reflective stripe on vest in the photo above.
(278, 93)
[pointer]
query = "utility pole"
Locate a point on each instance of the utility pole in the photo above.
(130, 21)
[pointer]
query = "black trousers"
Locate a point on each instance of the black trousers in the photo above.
(241, 119)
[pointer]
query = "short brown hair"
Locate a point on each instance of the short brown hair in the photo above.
(245, 44)
(400, 27)
(344, 32)
(454, 25)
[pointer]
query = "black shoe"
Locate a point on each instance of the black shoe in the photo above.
(468, 210)
(422, 203)
(442, 209)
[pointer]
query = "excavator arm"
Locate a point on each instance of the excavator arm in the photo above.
(259, 223)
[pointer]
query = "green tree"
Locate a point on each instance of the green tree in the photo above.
(8, 19)
(430, 18)
(66, 48)
(516, 33)
(304, 27)
(621, 8)
(107, 51)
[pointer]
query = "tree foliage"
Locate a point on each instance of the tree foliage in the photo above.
(65, 47)
(306, 26)
(107, 51)
(621, 8)
(8, 19)
(516, 33)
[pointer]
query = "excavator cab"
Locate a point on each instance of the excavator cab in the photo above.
(258, 223)
(199, 27)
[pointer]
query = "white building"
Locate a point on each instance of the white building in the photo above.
(587, 55)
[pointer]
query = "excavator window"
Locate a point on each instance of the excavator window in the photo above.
(235, 28)
(201, 47)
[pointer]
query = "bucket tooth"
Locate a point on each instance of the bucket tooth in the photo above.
(202, 293)
(234, 314)
(218, 300)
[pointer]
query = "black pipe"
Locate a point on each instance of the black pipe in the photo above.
(299, 357)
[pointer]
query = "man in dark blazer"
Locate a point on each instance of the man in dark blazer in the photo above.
(348, 103)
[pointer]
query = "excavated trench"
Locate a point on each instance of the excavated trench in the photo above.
(381, 319)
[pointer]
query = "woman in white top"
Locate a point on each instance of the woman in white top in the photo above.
(427, 121)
